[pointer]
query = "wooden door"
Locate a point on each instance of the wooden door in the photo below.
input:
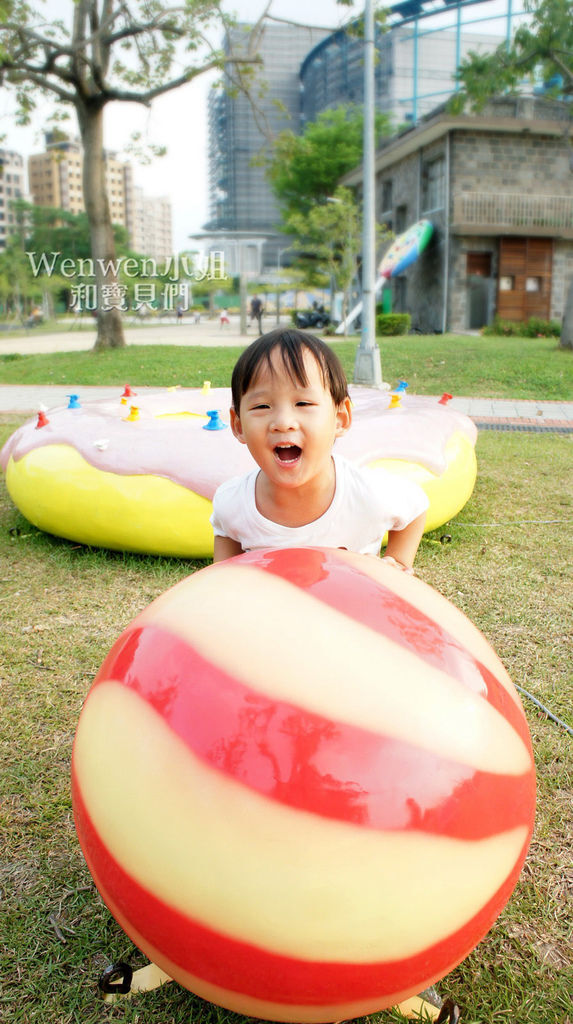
(524, 278)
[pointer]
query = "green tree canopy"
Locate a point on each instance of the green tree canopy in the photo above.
(541, 51)
(305, 169)
(47, 229)
(332, 232)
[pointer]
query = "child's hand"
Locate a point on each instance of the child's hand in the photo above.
(398, 565)
(403, 544)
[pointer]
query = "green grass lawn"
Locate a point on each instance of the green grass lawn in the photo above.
(508, 567)
(533, 368)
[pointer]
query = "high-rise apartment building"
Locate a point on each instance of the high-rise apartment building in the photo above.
(240, 198)
(56, 180)
(12, 186)
(149, 223)
(56, 175)
(148, 220)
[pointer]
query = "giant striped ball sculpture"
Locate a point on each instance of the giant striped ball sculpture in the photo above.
(303, 784)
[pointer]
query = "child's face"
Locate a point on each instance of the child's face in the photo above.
(290, 429)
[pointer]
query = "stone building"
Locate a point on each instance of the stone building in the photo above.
(498, 188)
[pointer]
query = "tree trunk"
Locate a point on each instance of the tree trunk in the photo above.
(567, 325)
(108, 295)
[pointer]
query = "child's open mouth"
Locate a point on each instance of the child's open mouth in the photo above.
(287, 453)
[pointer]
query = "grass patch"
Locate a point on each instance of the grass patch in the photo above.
(533, 368)
(63, 605)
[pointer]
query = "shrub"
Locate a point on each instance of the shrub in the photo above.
(502, 328)
(537, 328)
(534, 328)
(393, 323)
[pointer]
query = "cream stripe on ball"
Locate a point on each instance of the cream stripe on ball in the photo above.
(437, 607)
(322, 660)
(256, 852)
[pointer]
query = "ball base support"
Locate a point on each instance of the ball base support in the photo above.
(120, 981)
(429, 1007)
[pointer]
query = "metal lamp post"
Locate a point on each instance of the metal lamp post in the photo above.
(367, 365)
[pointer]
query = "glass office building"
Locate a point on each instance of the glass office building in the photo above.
(414, 69)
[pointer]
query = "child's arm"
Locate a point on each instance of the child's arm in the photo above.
(403, 544)
(225, 547)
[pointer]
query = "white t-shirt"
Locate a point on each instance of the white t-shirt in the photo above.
(366, 503)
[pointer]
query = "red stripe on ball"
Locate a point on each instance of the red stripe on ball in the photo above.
(340, 585)
(309, 762)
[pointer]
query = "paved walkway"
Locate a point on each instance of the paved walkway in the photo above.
(487, 413)
(82, 336)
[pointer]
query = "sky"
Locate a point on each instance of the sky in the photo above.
(177, 120)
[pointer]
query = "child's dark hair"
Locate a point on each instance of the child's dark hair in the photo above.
(292, 344)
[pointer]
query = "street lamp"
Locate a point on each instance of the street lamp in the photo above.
(367, 366)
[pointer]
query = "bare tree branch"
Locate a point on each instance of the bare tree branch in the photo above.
(29, 75)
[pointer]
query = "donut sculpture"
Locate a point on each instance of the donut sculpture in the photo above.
(303, 784)
(139, 474)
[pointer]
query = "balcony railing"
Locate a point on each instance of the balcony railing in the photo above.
(510, 210)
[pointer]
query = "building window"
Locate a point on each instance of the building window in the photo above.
(478, 264)
(385, 204)
(401, 218)
(433, 184)
(533, 284)
(507, 284)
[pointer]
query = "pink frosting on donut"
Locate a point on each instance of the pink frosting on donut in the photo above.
(200, 460)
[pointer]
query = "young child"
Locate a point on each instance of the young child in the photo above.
(290, 403)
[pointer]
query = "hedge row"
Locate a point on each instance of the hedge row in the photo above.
(535, 327)
(393, 323)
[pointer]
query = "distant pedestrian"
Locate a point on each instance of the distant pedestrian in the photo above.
(179, 314)
(257, 312)
(224, 319)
